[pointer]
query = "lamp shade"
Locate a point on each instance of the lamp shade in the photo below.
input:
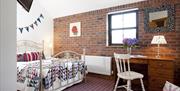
(159, 39)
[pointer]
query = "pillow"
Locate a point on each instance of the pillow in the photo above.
(36, 55)
(170, 87)
(27, 57)
(31, 56)
(19, 57)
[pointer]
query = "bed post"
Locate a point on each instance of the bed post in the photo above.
(84, 52)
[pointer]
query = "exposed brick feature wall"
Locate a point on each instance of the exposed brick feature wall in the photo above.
(93, 32)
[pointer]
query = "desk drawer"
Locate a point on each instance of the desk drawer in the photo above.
(161, 64)
(162, 73)
(138, 61)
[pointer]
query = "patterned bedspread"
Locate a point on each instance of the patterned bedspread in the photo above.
(30, 75)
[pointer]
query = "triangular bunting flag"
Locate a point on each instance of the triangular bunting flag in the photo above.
(38, 19)
(36, 23)
(32, 26)
(27, 28)
(41, 16)
(21, 30)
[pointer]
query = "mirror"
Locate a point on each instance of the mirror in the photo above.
(159, 19)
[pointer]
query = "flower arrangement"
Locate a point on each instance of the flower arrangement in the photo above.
(130, 42)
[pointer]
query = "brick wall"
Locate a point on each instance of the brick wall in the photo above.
(93, 29)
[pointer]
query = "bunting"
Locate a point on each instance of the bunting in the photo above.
(31, 26)
(41, 16)
(21, 29)
(27, 28)
(35, 22)
(38, 19)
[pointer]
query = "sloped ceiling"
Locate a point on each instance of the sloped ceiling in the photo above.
(59, 8)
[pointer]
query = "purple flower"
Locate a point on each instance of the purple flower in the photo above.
(130, 42)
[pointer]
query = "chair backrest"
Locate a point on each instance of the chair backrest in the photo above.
(122, 62)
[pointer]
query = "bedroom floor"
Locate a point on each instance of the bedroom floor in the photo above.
(95, 84)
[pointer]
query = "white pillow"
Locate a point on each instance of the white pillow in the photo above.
(170, 87)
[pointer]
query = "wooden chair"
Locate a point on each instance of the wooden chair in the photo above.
(124, 72)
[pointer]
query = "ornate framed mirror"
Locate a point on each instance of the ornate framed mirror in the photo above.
(159, 19)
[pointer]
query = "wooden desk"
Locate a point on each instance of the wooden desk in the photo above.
(159, 70)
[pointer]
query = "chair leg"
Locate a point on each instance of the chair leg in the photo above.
(128, 85)
(142, 85)
(116, 84)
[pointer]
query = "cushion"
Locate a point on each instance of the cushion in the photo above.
(27, 57)
(19, 57)
(170, 87)
(30, 56)
(33, 56)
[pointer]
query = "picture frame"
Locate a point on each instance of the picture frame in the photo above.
(75, 29)
(169, 22)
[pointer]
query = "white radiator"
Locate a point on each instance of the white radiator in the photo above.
(98, 64)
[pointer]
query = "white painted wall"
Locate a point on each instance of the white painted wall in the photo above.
(44, 30)
(70, 7)
(8, 45)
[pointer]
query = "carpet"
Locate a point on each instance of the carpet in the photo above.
(93, 84)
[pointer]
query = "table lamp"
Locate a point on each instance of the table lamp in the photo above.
(159, 39)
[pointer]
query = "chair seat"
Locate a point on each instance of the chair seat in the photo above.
(130, 75)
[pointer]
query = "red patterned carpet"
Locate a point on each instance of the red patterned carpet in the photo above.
(93, 84)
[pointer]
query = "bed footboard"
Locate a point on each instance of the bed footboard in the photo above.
(72, 68)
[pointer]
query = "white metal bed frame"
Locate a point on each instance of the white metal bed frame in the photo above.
(63, 54)
(28, 45)
(24, 46)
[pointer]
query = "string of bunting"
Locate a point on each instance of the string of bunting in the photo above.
(35, 23)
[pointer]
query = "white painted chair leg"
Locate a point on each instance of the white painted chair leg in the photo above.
(142, 85)
(128, 85)
(116, 84)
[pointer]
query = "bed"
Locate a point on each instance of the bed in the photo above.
(35, 73)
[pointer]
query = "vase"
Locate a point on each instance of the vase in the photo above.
(128, 50)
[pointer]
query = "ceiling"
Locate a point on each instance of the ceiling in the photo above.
(59, 8)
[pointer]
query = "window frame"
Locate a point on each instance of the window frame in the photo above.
(109, 23)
